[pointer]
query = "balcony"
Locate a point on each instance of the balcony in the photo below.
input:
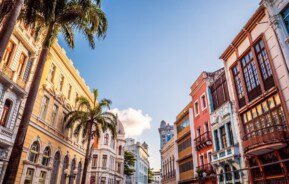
(203, 140)
(169, 175)
(7, 77)
(265, 139)
(225, 154)
(206, 168)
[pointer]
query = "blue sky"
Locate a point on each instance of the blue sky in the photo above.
(153, 52)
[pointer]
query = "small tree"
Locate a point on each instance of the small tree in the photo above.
(129, 162)
(150, 175)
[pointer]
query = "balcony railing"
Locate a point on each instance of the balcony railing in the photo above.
(207, 168)
(203, 140)
(169, 175)
(268, 135)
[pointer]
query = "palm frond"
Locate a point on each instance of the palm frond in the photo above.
(68, 34)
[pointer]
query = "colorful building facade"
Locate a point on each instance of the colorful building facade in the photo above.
(107, 162)
(203, 141)
(258, 80)
(18, 63)
(227, 158)
(51, 153)
(168, 155)
(183, 140)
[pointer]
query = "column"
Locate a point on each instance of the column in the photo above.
(220, 140)
(228, 135)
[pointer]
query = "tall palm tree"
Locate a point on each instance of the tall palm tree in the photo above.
(92, 119)
(52, 17)
(9, 12)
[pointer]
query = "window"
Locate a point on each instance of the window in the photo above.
(119, 150)
(21, 65)
(106, 137)
(265, 117)
(104, 161)
(285, 16)
(204, 103)
(182, 126)
(264, 64)
(238, 86)
(184, 145)
(231, 134)
(62, 121)
(34, 152)
(219, 90)
(44, 107)
(223, 136)
(206, 126)
(184, 167)
(46, 156)
(55, 168)
(54, 114)
(94, 161)
(69, 91)
(250, 71)
(6, 112)
(112, 143)
(29, 176)
(42, 177)
(8, 53)
(198, 132)
(201, 160)
(51, 73)
(60, 82)
(196, 108)
(27, 70)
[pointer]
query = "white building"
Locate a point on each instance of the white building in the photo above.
(140, 152)
(157, 179)
(15, 78)
(107, 162)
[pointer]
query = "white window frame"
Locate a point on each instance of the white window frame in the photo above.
(196, 114)
(201, 99)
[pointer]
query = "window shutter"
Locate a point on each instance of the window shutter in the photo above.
(27, 70)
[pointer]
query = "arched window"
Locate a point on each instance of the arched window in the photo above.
(64, 167)
(55, 169)
(221, 177)
(46, 156)
(228, 172)
(112, 143)
(34, 152)
(106, 137)
(72, 168)
(119, 150)
(6, 112)
(79, 170)
(236, 173)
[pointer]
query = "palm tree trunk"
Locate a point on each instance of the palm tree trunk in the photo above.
(8, 24)
(12, 168)
(87, 154)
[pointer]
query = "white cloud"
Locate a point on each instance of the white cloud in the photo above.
(134, 121)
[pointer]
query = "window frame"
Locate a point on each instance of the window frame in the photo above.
(203, 97)
(196, 108)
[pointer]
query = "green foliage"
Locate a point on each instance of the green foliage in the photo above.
(91, 113)
(150, 175)
(65, 16)
(129, 162)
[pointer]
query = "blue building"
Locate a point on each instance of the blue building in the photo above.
(166, 132)
(140, 151)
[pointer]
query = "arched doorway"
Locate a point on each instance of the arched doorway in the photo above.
(72, 168)
(79, 170)
(55, 169)
(64, 167)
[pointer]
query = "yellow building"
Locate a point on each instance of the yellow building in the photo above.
(17, 64)
(51, 153)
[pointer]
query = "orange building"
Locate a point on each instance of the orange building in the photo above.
(184, 162)
(201, 127)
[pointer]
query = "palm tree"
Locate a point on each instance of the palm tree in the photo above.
(9, 12)
(52, 17)
(91, 118)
